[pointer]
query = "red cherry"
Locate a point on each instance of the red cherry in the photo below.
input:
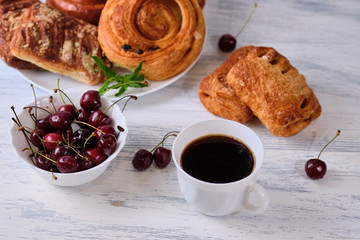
(142, 159)
(61, 120)
(37, 136)
(42, 162)
(98, 118)
(107, 142)
(90, 100)
(60, 151)
(81, 136)
(45, 124)
(227, 43)
(315, 168)
(96, 155)
(106, 129)
(162, 157)
(52, 140)
(68, 108)
(67, 164)
(85, 164)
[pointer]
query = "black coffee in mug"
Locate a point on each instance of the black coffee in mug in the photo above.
(217, 159)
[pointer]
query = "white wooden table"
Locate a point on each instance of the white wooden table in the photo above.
(320, 38)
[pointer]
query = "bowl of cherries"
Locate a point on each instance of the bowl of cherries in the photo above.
(69, 137)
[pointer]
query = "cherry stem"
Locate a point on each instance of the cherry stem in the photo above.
(52, 102)
(247, 20)
(32, 87)
(73, 147)
(337, 134)
(127, 96)
(88, 139)
(49, 110)
(58, 84)
(62, 92)
(26, 129)
(40, 154)
(169, 134)
(23, 131)
(85, 123)
(30, 107)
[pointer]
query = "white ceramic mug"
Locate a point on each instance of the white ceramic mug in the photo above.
(218, 199)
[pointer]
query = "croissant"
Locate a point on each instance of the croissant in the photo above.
(10, 15)
(167, 36)
(88, 10)
(58, 43)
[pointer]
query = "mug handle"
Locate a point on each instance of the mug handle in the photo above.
(261, 193)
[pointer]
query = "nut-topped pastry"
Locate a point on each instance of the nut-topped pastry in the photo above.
(58, 43)
(88, 10)
(10, 15)
(266, 82)
(167, 36)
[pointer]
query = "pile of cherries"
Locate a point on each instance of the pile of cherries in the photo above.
(143, 158)
(63, 149)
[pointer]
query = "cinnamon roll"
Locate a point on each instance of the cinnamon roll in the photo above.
(166, 35)
(88, 10)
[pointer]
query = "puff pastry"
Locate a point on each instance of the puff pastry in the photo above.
(218, 98)
(58, 43)
(88, 10)
(10, 15)
(166, 35)
(275, 92)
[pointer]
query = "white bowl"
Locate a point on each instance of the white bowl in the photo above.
(19, 142)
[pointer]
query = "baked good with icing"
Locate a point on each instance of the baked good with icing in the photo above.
(167, 36)
(59, 43)
(274, 90)
(10, 15)
(88, 10)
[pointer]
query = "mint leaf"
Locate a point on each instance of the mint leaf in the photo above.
(107, 70)
(121, 82)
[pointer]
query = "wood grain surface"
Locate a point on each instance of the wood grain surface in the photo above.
(320, 38)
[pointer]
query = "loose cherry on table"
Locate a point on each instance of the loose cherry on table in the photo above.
(160, 155)
(227, 42)
(316, 168)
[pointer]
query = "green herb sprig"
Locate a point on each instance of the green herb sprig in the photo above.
(121, 82)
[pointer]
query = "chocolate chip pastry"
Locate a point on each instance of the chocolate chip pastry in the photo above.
(268, 85)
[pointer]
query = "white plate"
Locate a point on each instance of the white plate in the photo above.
(48, 81)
